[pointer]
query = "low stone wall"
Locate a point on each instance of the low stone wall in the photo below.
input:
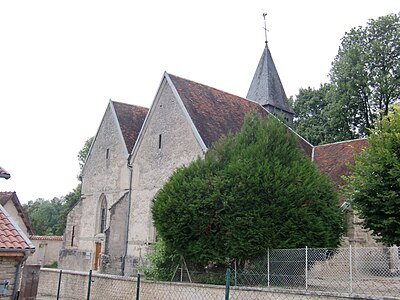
(75, 259)
(74, 285)
(8, 268)
(47, 249)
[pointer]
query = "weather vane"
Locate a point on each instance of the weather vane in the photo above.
(265, 27)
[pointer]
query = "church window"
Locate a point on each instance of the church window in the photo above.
(103, 214)
(159, 141)
(72, 236)
(103, 219)
(107, 153)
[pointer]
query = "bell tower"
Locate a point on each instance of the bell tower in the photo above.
(266, 87)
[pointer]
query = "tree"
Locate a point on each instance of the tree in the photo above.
(365, 72)
(251, 192)
(49, 217)
(84, 152)
(43, 215)
(374, 185)
(68, 202)
(364, 82)
(312, 120)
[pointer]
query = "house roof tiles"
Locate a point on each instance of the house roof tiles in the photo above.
(11, 236)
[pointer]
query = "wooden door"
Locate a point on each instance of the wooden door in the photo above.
(29, 282)
(97, 256)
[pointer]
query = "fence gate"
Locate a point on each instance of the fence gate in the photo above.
(29, 282)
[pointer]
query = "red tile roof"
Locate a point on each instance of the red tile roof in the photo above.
(130, 118)
(332, 159)
(12, 196)
(47, 237)
(11, 236)
(216, 113)
(213, 112)
(4, 173)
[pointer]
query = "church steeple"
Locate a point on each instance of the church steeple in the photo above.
(266, 87)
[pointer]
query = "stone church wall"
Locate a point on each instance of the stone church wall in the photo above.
(114, 252)
(105, 175)
(356, 235)
(70, 256)
(168, 142)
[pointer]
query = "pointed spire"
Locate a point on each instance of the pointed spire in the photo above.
(266, 87)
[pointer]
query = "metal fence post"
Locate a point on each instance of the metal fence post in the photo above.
(227, 283)
(306, 268)
(268, 266)
(138, 287)
(59, 285)
(351, 270)
(235, 272)
(89, 284)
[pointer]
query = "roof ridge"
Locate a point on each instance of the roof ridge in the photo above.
(211, 87)
(341, 142)
(141, 106)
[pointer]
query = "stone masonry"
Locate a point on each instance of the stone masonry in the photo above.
(153, 163)
(8, 271)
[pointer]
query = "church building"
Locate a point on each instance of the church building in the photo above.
(136, 149)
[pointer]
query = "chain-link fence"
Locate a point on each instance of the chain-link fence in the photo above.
(325, 272)
(344, 273)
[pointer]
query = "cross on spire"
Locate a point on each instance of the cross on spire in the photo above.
(265, 28)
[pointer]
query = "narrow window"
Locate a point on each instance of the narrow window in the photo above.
(102, 214)
(72, 236)
(107, 153)
(103, 220)
(159, 141)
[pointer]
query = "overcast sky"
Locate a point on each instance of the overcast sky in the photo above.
(61, 62)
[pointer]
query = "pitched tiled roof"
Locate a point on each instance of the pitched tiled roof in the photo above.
(4, 173)
(47, 237)
(11, 236)
(332, 159)
(213, 112)
(216, 113)
(5, 197)
(12, 196)
(130, 118)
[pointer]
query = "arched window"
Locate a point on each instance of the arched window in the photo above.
(103, 214)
